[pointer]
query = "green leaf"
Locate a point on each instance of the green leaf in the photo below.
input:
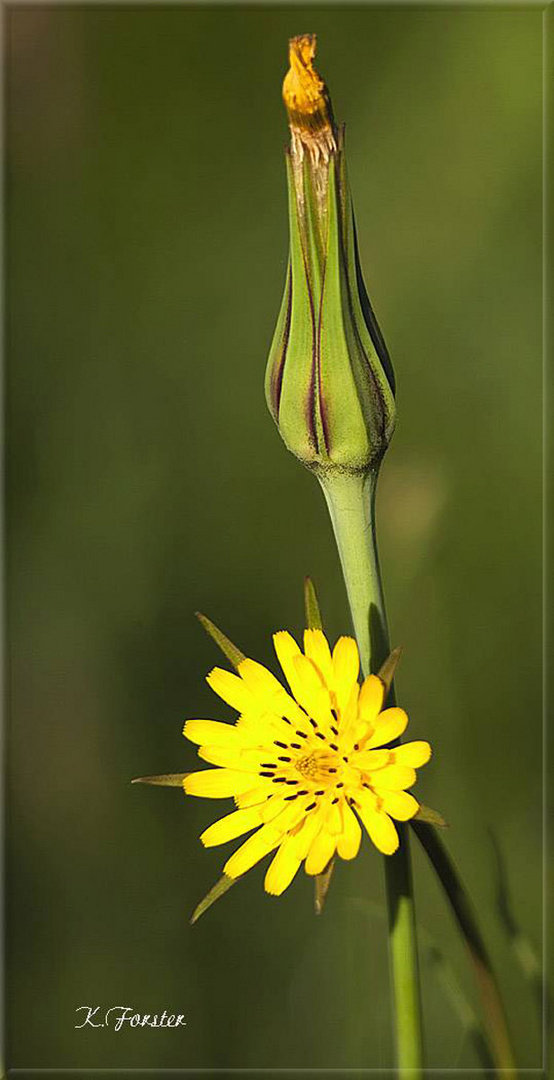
(431, 817)
(219, 889)
(165, 780)
(311, 605)
(387, 670)
(222, 641)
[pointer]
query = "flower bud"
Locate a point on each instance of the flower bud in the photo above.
(329, 379)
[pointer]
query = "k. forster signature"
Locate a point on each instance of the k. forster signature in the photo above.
(117, 1015)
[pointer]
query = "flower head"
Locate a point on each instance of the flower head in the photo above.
(304, 767)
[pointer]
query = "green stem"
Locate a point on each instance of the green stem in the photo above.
(351, 500)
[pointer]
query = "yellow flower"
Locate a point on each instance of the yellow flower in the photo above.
(304, 767)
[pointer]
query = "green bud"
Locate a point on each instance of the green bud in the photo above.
(329, 380)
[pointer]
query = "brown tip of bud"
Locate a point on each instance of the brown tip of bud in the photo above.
(306, 97)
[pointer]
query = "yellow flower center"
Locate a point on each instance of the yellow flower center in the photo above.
(319, 766)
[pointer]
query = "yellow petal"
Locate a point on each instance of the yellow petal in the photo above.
(212, 732)
(399, 804)
(317, 649)
(380, 828)
(312, 693)
(254, 796)
(286, 650)
(348, 843)
(368, 760)
(248, 854)
(231, 688)
(395, 777)
(412, 753)
(389, 725)
(246, 759)
(263, 685)
(231, 826)
(307, 832)
(346, 665)
(321, 850)
(217, 783)
(283, 867)
(274, 806)
(371, 698)
(262, 728)
(333, 821)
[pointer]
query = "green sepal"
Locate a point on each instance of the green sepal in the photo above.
(322, 883)
(378, 400)
(278, 351)
(296, 402)
(346, 436)
(216, 892)
(311, 606)
(164, 780)
(229, 650)
(387, 670)
(430, 817)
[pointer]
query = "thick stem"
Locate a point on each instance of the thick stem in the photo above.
(351, 499)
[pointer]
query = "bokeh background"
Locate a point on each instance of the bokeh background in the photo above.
(146, 252)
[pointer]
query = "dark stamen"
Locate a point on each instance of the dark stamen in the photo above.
(279, 780)
(312, 722)
(310, 807)
(356, 746)
(302, 734)
(303, 793)
(268, 765)
(296, 746)
(333, 746)
(334, 801)
(340, 784)
(293, 796)
(334, 730)
(292, 781)
(331, 770)
(322, 792)
(283, 745)
(267, 774)
(284, 759)
(319, 735)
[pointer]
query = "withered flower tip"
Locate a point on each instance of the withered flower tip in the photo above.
(306, 97)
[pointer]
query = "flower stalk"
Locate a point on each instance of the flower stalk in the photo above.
(351, 503)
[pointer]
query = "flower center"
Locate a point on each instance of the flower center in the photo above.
(320, 766)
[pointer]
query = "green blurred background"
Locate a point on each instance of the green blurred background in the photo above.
(147, 245)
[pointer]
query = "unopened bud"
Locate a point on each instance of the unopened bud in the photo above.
(329, 380)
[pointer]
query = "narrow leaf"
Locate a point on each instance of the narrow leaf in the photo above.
(431, 817)
(493, 1008)
(165, 780)
(313, 613)
(219, 889)
(387, 670)
(524, 951)
(222, 641)
(322, 883)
